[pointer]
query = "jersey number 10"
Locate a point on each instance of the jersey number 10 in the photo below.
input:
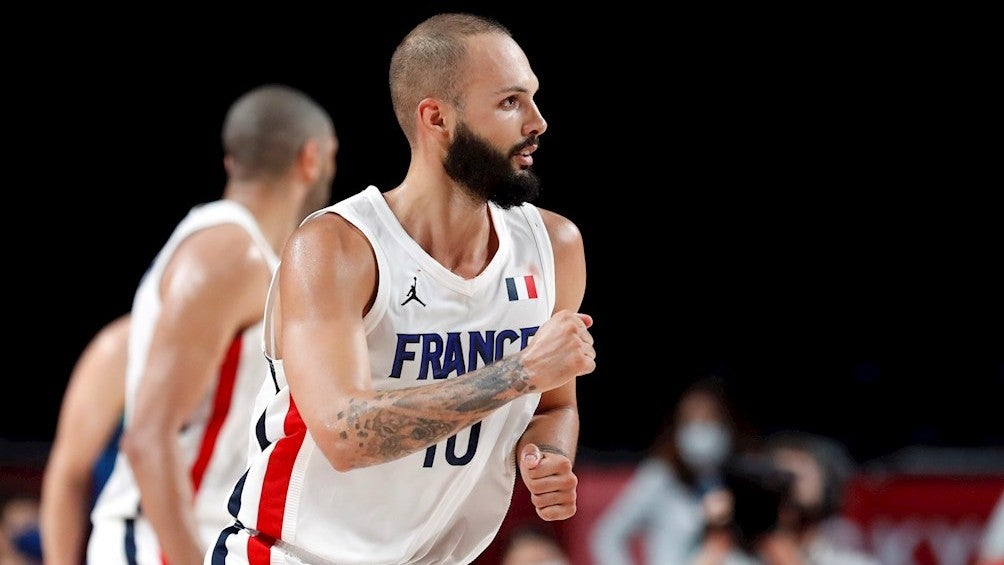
(451, 449)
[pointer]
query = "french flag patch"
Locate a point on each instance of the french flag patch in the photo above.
(521, 288)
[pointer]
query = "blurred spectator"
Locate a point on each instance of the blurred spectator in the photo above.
(992, 543)
(532, 544)
(781, 501)
(821, 467)
(662, 504)
(752, 532)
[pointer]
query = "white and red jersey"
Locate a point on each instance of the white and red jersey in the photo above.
(445, 503)
(214, 439)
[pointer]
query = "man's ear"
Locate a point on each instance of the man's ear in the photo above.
(309, 161)
(433, 117)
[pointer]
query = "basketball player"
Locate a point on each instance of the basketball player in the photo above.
(422, 339)
(195, 358)
(87, 431)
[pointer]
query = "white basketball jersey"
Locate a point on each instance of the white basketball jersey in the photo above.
(214, 439)
(443, 504)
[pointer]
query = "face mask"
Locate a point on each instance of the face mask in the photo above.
(703, 446)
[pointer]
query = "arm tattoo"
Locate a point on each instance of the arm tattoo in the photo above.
(396, 423)
(547, 448)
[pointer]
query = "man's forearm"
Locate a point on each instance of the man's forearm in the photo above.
(555, 430)
(395, 423)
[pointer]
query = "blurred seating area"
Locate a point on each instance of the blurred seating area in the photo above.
(919, 506)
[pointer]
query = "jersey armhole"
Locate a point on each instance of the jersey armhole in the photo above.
(370, 320)
(544, 249)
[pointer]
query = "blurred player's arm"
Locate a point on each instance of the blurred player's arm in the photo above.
(88, 417)
(212, 289)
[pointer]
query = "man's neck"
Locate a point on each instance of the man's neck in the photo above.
(272, 206)
(442, 217)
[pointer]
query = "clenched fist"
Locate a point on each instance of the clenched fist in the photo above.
(561, 350)
(551, 482)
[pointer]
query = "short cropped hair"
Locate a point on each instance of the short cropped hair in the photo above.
(429, 61)
(266, 127)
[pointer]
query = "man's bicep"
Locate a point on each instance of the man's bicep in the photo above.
(94, 399)
(569, 261)
(326, 282)
(570, 285)
(207, 300)
(187, 346)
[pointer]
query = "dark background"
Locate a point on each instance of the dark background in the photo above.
(793, 203)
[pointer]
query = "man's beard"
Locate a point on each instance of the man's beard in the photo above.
(486, 173)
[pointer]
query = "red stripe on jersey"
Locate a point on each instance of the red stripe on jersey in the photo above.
(531, 287)
(275, 486)
(259, 549)
(221, 407)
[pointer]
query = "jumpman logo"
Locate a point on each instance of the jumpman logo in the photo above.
(411, 293)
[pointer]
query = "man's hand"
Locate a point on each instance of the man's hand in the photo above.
(549, 478)
(561, 350)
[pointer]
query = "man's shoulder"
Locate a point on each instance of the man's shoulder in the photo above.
(328, 233)
(218, 237)
(221, 218)
(560, 228)
(549, 216)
